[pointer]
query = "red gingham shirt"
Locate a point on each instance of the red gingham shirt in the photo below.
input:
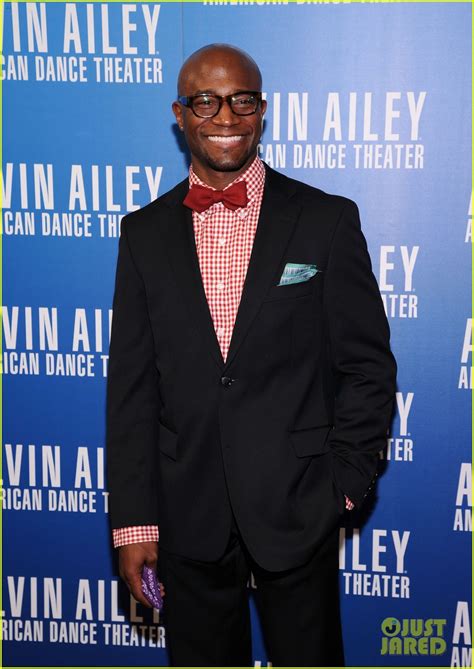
(224, 241)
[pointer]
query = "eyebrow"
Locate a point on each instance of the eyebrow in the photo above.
(211, 91)
(207, 91)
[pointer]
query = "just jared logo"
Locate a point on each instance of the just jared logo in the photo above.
(413, 636)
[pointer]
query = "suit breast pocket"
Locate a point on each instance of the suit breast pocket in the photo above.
(289, 290)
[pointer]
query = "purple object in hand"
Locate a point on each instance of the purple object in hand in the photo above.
(151, 588)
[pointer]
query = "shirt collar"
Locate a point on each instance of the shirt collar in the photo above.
(254, 175)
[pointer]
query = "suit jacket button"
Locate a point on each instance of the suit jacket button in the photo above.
(227, 381)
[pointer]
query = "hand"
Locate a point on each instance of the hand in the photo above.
(349, 505)
(132, 557)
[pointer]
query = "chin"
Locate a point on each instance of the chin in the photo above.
(228, 164)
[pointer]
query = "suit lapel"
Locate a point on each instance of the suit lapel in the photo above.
(181, 247)
(278, 216)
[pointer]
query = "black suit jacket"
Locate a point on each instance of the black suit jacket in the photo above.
(292, 420)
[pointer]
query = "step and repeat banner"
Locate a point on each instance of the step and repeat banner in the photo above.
(367, 100)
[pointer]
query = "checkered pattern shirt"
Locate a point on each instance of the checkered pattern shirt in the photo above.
(224, 241)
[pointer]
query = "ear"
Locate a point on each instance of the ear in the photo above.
(263, 107)
(178, 112)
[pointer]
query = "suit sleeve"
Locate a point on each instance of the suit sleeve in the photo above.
(132, 400)
(363, 367)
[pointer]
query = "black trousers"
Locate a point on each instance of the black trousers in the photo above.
(207, 618)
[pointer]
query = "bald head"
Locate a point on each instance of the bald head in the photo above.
(214, 60)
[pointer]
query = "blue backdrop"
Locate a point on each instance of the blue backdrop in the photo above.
(371, 101)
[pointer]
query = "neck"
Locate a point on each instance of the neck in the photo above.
(215, 179)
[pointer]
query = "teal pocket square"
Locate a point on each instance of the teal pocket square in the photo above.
(296, 273)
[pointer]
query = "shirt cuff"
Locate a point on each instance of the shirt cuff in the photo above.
(134, 535)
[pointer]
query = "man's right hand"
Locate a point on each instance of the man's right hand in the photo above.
(132, 557)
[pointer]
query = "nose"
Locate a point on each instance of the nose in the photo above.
(225, 116)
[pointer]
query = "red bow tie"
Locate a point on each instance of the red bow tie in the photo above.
(200, 198)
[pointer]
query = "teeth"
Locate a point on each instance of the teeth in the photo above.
(224, 140)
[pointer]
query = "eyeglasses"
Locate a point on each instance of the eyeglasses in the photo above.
(242, 103)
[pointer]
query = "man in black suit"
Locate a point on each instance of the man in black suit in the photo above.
(250, 386)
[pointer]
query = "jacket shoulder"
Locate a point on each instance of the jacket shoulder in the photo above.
(306, 194)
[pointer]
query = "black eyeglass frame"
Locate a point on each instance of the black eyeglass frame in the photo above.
(187, 101)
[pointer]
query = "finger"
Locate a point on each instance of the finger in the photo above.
(152, 563)
(135, 586)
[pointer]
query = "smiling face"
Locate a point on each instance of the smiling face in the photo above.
(222, 147)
